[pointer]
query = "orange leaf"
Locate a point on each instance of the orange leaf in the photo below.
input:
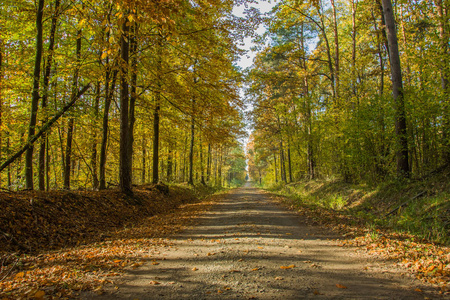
(39, 294)
(255, 269)
(19, 275)
(341, 286)
(418, 290)
(194, 269)
(154, 282)
(287, 267)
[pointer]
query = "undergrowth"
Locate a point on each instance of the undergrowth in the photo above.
(417, 207)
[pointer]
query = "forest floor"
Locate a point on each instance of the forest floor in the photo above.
(242, 245)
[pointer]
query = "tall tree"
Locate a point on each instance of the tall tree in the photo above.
(35, 94)
(403, 169)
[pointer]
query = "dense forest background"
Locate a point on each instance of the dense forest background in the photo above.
(331, 100)
(120, 93)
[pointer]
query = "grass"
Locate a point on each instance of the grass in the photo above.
(417, 207)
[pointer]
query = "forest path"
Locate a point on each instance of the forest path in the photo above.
(247, 247)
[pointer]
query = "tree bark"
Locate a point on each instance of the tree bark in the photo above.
(95, 181)
(124, 158)
(336, 48)
(403, 169)
(109, 92)
(191, 147)
(46, 80)
(444, 37)
(133, 98)
(70, 125)
(35, 95)
(208, 164)
(157, 108)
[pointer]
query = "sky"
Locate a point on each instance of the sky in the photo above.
(264, 7)
(246, 60)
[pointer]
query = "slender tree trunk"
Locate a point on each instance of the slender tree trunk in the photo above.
(275, 166)
(191, 147)
(354, 9)
(132, 119)
(202, 173)
(403, 169)
(336, 48)
(208, 164)
(169, 162)
(109, 92)
(35, 95)
(219, 168)
(68, 153)
(70, 126)
(1, 103)
(157, 103)
(124, 158)
(289, 162)
(144, 156)
(46, 80)
(95, 181)
(444, 37)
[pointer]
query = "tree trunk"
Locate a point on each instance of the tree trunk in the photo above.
(169, 162)
(208, 164)
(132, 119)
(275, 166)
(46, 80)
(108, 98)
(157, 103)
(1, 102)
(124, 158)
(354, 9)
(35, 95)
(70, 125)
(191, 147)
(403, 169)
(202, 173)
(336, 48)
(95, 181)
(144, 156)
(444, 37)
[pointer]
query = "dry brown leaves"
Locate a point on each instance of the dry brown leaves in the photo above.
(63, 273)
(428, 262)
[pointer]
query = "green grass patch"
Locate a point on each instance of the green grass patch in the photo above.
(417, 207)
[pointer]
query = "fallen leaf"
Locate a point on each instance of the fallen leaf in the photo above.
(194, 269)
(255, 269)
(316, 292)
(341, 286)
(287, 267)
(39, 294)
(154, 282)
(155, 263)
(418, 290)
(279, 278)
(19, 275)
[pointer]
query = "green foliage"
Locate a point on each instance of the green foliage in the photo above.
(391, 204)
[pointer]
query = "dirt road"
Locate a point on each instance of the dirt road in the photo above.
(247, 247)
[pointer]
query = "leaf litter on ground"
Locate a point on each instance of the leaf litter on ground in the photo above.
(107, 246)
(427, 261)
